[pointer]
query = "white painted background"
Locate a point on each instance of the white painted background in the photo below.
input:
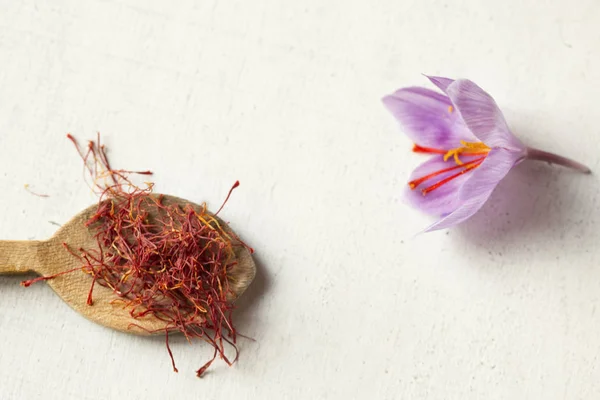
(285, 97)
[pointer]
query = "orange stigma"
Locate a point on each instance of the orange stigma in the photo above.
(467, 149)
(472, 149)
(464, 168)
(430, 150)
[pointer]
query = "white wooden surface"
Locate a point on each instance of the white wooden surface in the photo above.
(284, 96)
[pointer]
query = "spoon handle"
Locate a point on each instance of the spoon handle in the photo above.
(19, 256)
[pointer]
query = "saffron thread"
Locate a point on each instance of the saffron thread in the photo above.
(35, 193)
(413, 184)
(164, 260)
(450, 178)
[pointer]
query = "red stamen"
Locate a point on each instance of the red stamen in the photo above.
(421, 149)
(448, 179)
(417, 182)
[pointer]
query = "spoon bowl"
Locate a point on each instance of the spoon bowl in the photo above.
(49, 257)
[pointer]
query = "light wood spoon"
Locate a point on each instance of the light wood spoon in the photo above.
(50, 257)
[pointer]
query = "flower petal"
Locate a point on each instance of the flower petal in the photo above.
(493, 169)
(442, 200)
(478, 188)
(482, 115)
(440, 82)
(464, 212)
(428, 118)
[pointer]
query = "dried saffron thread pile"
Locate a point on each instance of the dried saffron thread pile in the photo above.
(161, 259)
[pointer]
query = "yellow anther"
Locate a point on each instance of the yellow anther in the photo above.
(475, 145)
(468, 148)
(456, 159)
(450, 109)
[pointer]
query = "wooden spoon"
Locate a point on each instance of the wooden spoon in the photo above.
(50, 257)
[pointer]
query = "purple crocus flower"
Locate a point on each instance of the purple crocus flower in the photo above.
(471, 145)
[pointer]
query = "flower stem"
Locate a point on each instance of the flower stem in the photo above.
(535, 154)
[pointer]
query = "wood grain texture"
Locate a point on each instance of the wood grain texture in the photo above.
(50, 257)
(19, 257)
